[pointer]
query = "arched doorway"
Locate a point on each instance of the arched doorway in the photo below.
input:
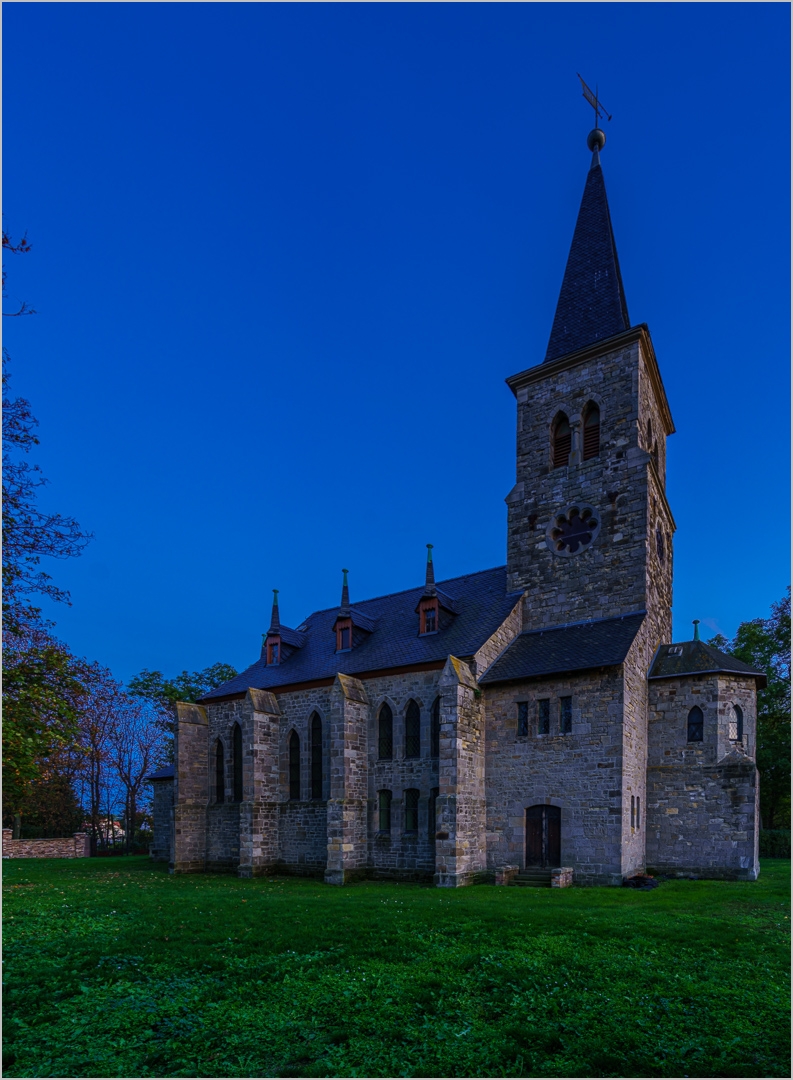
(543, 836)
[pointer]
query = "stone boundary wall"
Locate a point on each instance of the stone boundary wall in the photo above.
(77, 846)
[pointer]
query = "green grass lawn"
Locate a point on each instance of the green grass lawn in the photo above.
(115, 968)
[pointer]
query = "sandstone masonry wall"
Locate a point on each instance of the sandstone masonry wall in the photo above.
(162, 815)
(76, 846)
(580, 772)
(702, 797)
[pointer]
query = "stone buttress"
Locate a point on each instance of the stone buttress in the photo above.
(347, 805)
(460, 849)
(191, 790)
(261, 718)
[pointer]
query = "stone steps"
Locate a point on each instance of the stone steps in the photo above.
(533, 878)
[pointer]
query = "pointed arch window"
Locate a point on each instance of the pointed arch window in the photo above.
(591, 431)
(696, 725)
(412, 810)
(736, 724)
(220, 773)
(237, 761)
(385, 733)
(562, 441)
(294, 767)
(316, 757)
(412, 731)
(435, 729)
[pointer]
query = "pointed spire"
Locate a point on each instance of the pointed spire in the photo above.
(275, 618)
(429, 581)
(696, 629)
(344, 608)
(591, 303)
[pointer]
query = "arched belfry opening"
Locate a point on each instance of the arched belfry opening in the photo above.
(561, 441)
(591, 431)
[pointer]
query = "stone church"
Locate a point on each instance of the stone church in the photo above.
(532, 716)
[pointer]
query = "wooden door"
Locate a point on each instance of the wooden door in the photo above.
(543, 836)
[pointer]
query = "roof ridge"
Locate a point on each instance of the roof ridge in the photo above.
(584, 622)
(401, 592)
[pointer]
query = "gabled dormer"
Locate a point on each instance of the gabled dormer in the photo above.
(351, 627)
(435, 609)
(279, 642)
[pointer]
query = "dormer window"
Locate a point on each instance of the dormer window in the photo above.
(429, 617)
(343, 635)
(273, 651)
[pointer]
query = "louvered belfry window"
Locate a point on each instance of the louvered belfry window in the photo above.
(294, 766)
(412, 731)
(237, 762)
(562, 441)
(316, 757)
(385, 734)
(591, 432)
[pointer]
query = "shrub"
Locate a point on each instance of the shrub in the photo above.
(775, 843)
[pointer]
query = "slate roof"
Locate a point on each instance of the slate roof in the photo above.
(165, 773)
(697, 658)
(591, 303)
(575, 647)
(482, 604)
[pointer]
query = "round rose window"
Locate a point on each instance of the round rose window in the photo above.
(570, 532)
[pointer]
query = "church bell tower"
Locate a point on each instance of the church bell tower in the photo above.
(589, 527)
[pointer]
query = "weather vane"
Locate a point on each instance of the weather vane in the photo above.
(594, 101)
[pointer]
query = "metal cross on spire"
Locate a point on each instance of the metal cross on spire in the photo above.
(594, 101)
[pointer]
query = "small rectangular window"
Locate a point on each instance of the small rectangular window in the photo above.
(430, 624)
(344, 638)
(384, 807)
(565, 715)
(432, 812)
(638, 814)
(633, 811)
(274, 653)
(412, 810)
(523, 718)
(544, 716)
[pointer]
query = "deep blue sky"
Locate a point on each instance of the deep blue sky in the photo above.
(284, 257)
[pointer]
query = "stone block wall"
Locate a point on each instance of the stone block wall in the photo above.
(702, 797)
(303, 838)
(76, 846)
(191, 790)
(162, 817)
(580, 772)
(460, 842)
(222, 837)
(608, 578)
(347, 805)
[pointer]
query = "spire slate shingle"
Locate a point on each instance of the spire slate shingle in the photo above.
(591, 303)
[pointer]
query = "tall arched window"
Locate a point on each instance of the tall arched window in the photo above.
(316, 757)
(736, 724)
(220, 773)
(412, 731)
(696, 724)
(385, 733)
(236, 743)
(435, 729)
(562, 441)
(412, 810)
(384, 810)
(294, 766)
(591, 431)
